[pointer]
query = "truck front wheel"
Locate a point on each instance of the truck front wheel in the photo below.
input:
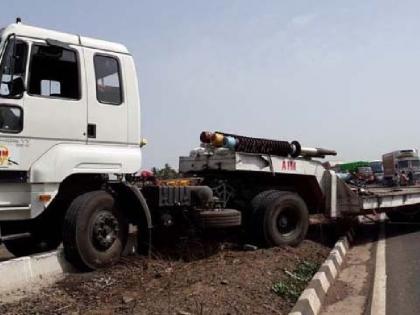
(282, 219)
(95, 231)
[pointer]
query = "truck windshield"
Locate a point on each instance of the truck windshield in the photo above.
(365, 170)
(415, 164)
(12, 68)
(403, 164)
(377, 167)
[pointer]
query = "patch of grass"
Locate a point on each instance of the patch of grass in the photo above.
(296, 281)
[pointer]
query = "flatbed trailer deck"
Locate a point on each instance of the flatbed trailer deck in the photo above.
(383, 198)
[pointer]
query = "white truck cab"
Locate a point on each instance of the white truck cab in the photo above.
(68, 105)
(69, 126)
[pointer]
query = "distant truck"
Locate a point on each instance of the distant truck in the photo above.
(401, 162)
(378, 170)
(365, 174)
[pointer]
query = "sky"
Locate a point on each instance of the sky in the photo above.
(343, 75)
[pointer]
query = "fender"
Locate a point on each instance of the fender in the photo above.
(131, 195)
(142, 201)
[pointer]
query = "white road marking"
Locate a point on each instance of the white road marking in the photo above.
(378, 306)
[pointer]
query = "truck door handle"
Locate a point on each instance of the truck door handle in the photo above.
(91, 130)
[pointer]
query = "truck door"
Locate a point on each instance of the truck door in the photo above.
(107, 106)
(55, 105)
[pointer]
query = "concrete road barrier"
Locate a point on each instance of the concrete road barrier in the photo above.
(20, 272)
(311, 299)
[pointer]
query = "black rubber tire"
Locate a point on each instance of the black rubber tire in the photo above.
(403, 216)
(267, 208)
(79, 246)
(29, 246)
(209, 219)
(258, 200)
(257, 215)
(396, 216)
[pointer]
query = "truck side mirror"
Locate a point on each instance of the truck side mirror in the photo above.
(16, 86)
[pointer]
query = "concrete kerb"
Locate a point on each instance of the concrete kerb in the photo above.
(41, 269)
(312, 298)
(21, 273)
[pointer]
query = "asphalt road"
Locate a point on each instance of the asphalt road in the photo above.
(402, 252)
(381, 274)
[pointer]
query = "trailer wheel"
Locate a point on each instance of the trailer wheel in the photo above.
(95, 231)
(208, 219)
(408, 214)
(281, 218)
(396, 216)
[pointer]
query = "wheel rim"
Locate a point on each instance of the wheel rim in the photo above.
(287, 221)
(105, 230)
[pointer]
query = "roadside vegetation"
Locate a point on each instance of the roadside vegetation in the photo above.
(296, 280)
(167, 172)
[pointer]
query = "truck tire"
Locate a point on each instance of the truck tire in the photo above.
(281, 218)
(404, 215)
(397, 216)
(95, 231)
(208, 219)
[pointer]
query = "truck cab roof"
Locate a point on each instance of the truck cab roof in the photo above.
(72, 39)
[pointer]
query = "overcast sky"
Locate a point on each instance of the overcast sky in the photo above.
(343, 75)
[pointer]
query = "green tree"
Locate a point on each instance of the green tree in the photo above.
(167, 172)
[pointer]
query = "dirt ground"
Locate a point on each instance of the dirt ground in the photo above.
(186, 277)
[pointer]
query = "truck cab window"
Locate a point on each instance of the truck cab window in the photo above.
(11, 119)
(54, 72)
(108, 80)
(13, 68)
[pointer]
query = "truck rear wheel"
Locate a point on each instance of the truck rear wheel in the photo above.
(95, 231)
(281, 218)
(406, 214)
(397, 216)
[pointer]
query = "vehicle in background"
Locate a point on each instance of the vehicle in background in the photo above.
(378, 170)
(356, 172)
(365, 174)
(401, 163)
(344, 176)
(352, 167)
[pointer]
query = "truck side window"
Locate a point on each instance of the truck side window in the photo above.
(54, 72)
(11, 119)
(108, 80)
(13, 67)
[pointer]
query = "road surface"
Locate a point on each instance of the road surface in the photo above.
(402, 268)
(379, 277)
